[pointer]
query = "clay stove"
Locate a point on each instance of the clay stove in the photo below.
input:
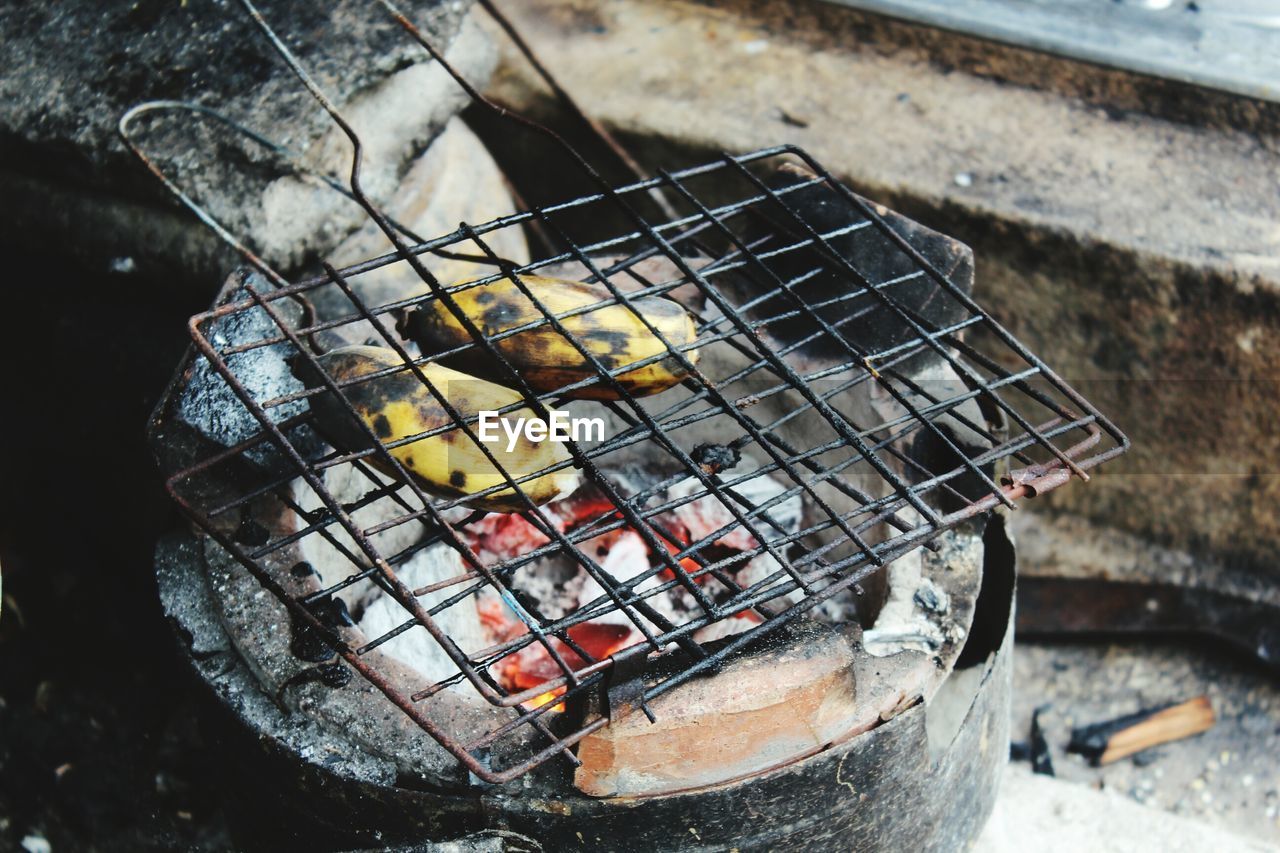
(741, 598)
(774, 613)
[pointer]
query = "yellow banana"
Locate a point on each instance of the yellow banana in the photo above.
(448, 464)
(544, 357)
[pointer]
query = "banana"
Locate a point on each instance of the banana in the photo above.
(545, 358)
(448, 464)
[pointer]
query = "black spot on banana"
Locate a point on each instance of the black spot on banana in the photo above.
(545, 358)
(448, 464)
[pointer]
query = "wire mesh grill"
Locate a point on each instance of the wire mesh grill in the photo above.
(843, 403)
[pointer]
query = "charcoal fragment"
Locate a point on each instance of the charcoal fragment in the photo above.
(302, 570)
(307, 644)
(715, 458)
(334, 674)
(252, 533)
(1041, 761)
(1131, 734)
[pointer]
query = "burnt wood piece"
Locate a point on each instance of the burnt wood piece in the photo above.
(1105, 742)
(1041, 760)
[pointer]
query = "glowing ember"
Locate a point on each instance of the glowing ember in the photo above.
(533, 664)
(561, 587)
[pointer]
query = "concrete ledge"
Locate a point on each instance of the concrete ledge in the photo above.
(1140, 257)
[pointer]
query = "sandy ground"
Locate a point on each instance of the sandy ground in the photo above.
(1228, 776)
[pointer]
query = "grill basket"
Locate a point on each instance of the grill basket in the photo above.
(840, 361)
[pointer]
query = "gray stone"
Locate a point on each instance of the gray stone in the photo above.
(455, 180)
(75, 68)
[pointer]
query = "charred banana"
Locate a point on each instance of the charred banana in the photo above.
(547, 361)
(447, 464)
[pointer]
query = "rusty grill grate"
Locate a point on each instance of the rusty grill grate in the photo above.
(860, 378)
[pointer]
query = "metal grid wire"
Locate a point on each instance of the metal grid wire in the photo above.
(744, 253)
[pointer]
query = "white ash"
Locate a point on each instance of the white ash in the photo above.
(627, 557)
(902, 623)
(554, 585)
(915, 614)
(209, 405)
(724, 628)
(377, 613)
(374, 611)
(348, 485)
(760, 569)
(708, 514)
(633, 477)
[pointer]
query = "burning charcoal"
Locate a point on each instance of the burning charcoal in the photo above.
(1105, 742)
(701, 518)
(502, 536)
(626, 557)
(1041, 760)
(707, 514)
(208, 405)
